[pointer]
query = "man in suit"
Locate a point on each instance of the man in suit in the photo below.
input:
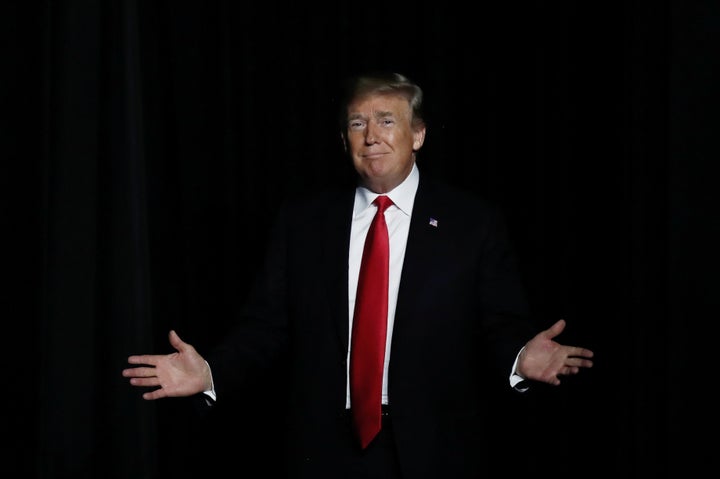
(456, 313)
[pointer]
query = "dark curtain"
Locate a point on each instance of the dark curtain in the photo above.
(147, 144)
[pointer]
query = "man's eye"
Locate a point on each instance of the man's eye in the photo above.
(356, 125)
(388, 122)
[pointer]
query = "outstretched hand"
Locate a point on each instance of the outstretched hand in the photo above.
(544, 360)
(179, 374)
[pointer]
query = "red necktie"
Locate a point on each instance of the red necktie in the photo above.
(367, 353)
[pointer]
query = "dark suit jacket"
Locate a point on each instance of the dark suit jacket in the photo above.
(458, 327)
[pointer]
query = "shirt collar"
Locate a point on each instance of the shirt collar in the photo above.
(403, 195)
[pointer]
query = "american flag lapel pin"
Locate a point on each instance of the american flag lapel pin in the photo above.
(433, 222)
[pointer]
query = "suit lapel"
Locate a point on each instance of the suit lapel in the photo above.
(420, 254)
(336, 236)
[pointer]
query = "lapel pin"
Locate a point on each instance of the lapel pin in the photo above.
(433, 222)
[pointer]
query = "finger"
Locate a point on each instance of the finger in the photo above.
(145, 382)
(149, 359)
(585, 353)
(573, 366)
(578, 361)
(139, 372)
(156, 394)
(584, 363)
(577, 352)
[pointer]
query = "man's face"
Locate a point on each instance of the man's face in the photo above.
(381, 141)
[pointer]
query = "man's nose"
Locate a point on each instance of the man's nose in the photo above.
(370, 134)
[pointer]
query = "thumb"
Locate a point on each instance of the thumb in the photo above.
(556, 328)
(175, 341)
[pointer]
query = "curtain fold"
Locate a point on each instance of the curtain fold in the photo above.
(97, 287)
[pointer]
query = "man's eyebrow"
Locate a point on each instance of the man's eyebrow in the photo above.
(383, 114)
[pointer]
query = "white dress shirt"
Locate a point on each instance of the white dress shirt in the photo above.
(397, 217)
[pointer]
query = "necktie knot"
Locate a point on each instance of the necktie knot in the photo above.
(382, 203)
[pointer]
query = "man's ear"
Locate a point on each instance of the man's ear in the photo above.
(418, 138)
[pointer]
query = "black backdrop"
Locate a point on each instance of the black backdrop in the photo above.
(147, 144)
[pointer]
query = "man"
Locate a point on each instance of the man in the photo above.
(456, 314)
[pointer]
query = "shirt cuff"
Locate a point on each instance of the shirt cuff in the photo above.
(210, 393)
(518, 382)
